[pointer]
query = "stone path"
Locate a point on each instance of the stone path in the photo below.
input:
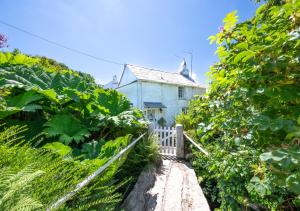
(172, 186)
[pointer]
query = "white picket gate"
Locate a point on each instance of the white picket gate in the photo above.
(167, 140)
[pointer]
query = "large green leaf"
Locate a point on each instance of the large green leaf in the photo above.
(67, 128)
(115, 102)
(259, 186)
(9, 111)
(293, 183)
(21, 102)
(50, 94)
(58, 148)
(23, 99)
(112, 147)
(92, 149)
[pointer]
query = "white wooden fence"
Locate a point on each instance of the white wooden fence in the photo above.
(170, 140)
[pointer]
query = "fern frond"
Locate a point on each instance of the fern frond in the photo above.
(13, 188)
(27, 204)
(102, 203)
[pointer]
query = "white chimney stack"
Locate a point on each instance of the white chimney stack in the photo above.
(113, 84)
(115, 79)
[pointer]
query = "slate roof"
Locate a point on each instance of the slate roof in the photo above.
(154, 105)
(148, 74)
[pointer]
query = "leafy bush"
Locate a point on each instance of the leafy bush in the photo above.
(33, 179)
(74, 127)
(248, 119)
(64, 105)
(162, 122)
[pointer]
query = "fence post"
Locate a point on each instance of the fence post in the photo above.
(180, 141)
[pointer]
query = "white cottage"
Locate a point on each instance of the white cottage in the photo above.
(161, 95)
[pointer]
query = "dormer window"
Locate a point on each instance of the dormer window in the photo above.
(181, 92)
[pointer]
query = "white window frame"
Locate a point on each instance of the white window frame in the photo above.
(181, 92)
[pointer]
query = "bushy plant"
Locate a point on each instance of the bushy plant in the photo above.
(63, 104)
(248, 119)
(32, 179)
(74, 128)
(162, 122)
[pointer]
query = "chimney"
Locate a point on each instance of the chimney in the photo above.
(115, 79)
(115, 82)
(183, 69)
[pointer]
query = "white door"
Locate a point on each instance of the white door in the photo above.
(151, 115)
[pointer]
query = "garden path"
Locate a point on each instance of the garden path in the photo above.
(171, 186)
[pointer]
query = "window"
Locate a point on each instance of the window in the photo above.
(181, 92)
(184, 110)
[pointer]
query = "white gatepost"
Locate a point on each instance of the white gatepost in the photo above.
(180, 141)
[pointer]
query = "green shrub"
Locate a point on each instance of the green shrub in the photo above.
(34, 178)
(74, 128)
(62, 104)
(248, 119)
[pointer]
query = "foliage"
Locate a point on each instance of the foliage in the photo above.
(67, 127)
(33, 179)
(59, 148)
(74, 128)
(184, 120)
(65, 105)
(162, 122)
(248, 119)
(14, 187)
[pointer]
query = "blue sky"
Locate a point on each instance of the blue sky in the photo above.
(150, 33)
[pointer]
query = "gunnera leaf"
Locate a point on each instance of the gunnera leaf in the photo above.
(67, 128)
(58, 148)
(23, 99)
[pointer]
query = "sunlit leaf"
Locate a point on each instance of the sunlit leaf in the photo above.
(66, 128)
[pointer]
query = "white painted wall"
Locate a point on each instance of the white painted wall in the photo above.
(131, 91)
(142, 91)
(139, 92)
(167, 94)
